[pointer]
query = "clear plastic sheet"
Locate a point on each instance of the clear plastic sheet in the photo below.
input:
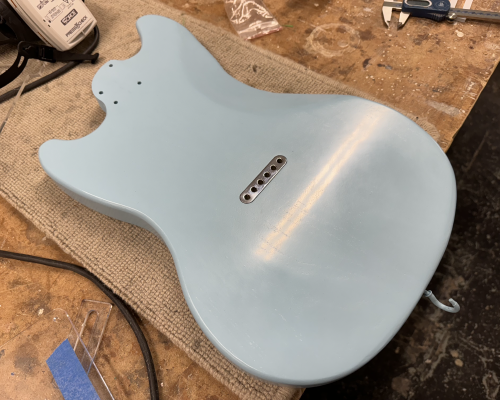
(23, 360)
(250, 18)
(91, 323)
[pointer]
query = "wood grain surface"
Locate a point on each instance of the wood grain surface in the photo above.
(29, 291)
(432, 70)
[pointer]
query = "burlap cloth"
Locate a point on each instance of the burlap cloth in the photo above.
(130, 260)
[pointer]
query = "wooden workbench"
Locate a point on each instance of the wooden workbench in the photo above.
(434, 71)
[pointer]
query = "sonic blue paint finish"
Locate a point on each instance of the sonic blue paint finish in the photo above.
(312, 279)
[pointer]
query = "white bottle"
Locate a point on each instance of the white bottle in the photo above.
(59, 23)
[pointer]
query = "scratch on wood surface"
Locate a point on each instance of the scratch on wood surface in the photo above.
(332, 40)
(445, 108)
(472, 89)
(491, 385)
(477, 152)
(441, 352)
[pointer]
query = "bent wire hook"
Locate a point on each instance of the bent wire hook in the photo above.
(456, 307)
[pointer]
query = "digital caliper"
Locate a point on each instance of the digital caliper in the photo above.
(437, 10)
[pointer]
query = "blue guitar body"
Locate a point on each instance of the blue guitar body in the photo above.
(314, 276)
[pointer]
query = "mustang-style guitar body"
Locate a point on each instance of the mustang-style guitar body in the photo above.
(304, 281)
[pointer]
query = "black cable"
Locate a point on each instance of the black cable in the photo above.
(57, 73)
(148, 359)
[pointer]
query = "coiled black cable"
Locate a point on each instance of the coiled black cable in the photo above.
(57, 73)
(148, 359)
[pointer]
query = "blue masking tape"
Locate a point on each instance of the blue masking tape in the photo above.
(69, 374)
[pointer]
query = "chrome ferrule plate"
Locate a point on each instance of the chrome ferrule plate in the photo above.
(262, 180)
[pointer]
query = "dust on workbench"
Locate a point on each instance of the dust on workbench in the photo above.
(432, 70)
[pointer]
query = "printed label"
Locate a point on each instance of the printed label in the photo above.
(72, 14)
(41, 4)
(76, 26)
(53, 13)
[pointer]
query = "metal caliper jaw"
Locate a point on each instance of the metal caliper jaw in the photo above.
(387, 9)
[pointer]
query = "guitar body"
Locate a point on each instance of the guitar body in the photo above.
(311, 279)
